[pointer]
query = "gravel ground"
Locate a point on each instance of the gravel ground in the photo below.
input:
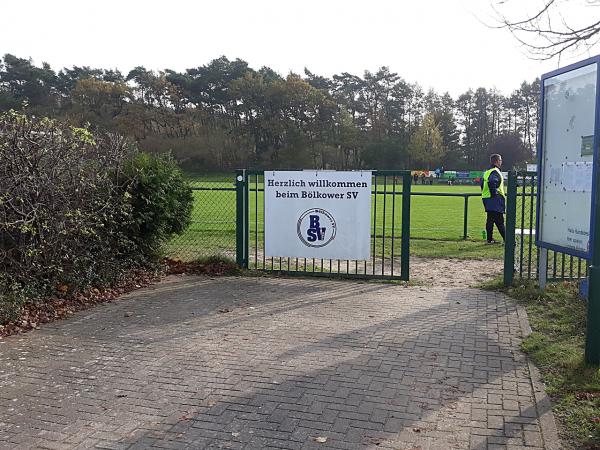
(454, 272)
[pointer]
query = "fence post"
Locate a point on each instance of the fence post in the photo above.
(542, 267)
(405, 246)
(511, 220)
(240, 220)
(592, 336)
(465, 218)
(247, 219)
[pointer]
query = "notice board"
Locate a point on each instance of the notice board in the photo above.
(566, 158)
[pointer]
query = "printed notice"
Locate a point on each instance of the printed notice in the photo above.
(578, 239)
(577, 176)
(556, 175)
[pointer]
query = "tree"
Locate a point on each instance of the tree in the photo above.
(377, 95)
(426, 146)
(347, 140)
(225, 114)
(99, 102)
(24, 82)
(387, 154)
(346, 91)
(511, 147)
(551, 29)
(442, 108)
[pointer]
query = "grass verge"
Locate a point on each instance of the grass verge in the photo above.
(557, 318)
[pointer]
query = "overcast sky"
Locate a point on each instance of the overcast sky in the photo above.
(438, 43)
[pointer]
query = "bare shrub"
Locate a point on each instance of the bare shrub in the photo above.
(63, 208)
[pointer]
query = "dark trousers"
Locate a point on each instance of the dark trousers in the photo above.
(494, 218)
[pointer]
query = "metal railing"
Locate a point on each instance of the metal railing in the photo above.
(522, 256)
(466, 197)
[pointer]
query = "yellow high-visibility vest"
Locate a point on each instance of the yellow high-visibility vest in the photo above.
(485, 193)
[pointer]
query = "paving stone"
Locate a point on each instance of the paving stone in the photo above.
(362, 365)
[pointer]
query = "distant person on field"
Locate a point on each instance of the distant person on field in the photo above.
(422, 177)
(415, 178)
(494, 198)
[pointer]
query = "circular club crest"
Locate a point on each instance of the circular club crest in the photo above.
(316, 227)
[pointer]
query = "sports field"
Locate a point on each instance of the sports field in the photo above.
(436, 222)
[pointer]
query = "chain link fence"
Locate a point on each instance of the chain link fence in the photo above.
(212, 230)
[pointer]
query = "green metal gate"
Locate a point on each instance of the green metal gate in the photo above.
(521, 255)
(390, 231)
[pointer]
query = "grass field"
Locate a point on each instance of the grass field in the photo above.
(436, 222)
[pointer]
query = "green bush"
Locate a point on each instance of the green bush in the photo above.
(79, 209)
(161, 201)
(12, 298)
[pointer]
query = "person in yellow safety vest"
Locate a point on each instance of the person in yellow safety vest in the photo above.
(494, 198)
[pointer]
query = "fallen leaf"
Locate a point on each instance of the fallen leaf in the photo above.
(68, 301)
(63, 288)
(587, 395)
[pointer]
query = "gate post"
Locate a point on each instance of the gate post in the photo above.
(511, 220)
(405, 245)
(465, 219)
(241, 219)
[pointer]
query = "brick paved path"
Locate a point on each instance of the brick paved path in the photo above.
(276, 363)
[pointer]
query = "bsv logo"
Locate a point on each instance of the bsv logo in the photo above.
(316, 227)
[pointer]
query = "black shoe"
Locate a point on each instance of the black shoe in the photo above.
(492, 242)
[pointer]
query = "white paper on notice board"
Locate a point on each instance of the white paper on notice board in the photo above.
(577, 176)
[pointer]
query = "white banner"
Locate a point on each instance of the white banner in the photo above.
(318, 214)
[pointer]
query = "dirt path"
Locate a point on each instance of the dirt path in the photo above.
(448, 272)
(453, 272)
